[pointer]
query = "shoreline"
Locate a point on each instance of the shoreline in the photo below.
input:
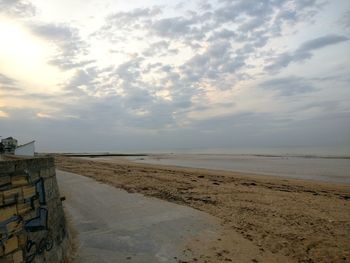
(328, 170)
(243, 174)
(141, 154)
(303, 221)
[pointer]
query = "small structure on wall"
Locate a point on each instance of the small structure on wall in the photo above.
(27, 149)
(9, 145)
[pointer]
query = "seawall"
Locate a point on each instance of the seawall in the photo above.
(32, 221)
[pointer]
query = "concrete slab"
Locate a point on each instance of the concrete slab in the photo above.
(116, 226)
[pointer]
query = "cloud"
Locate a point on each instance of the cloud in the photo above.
(3, 114)
(167, 70)
(219, 55)
(345, 20)
(123, 19)
(70, 47)
(304, 52)
(173, 27)
(128, 22)
(288, 86)
(320, 42)
(161, 48)
(223, 34)
(21, 8)
(8, 84)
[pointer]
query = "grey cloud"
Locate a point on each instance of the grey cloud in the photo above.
(304, 52)
(236, 130)
(130, 71)
(345, 20)
(172, 27)
(286, 15)
(252, 24)
(6, 80)
(255, 23)
(205, 5)
(122, 19)
(214, 63)
(231, 10)
(321, 42)
(327, 106)
(66, 62)
(305, 3)
(20, 8)
(70, 46)
(54, 31)
(120, 26)
(139, 18)
(224, 37)
(231, 121)
(223, 34)
(160, 48)
(93, 81)
(140, 95)
(179, 6)
(160, 114)
(82, 78)
(8, 84)
(115, 110)
(288, 86)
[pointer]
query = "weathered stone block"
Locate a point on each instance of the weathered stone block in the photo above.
(12, 195)
(31, 214)
(28, 191)
(6, 167)
(45, 173)
(5, 180)
(34, 176)
(14, 227)
(20, 166)
(18, 256)
(23, 208)
(22, 239)
(11, 245)
(17, 181)
(7, 212)
(7, 259)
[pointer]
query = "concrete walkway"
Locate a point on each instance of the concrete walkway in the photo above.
(115, 226)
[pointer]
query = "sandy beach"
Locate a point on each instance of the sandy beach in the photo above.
(264, 219)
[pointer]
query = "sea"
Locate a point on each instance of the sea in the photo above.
(310, 164)
(326, 164)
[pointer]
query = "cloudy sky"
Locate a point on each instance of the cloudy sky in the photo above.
(79, 75)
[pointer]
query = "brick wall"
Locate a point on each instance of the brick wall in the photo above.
(32, 222)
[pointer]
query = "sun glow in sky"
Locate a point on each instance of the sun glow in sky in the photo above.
(173, 74)
(24, 57)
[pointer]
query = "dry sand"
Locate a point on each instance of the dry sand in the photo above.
(264, 219)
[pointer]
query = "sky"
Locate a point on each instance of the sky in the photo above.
(103, 75)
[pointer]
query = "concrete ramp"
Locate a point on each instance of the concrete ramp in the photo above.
(116, 226)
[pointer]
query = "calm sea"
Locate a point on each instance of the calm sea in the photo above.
(319, 168)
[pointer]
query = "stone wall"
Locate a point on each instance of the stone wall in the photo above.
(32, 222)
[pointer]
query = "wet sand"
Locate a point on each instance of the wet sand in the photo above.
(264, 219)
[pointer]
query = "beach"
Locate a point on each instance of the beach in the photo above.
(265, 218)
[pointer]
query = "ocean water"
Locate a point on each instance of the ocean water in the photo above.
(318, 168)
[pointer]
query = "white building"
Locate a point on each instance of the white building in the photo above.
(27, 149)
